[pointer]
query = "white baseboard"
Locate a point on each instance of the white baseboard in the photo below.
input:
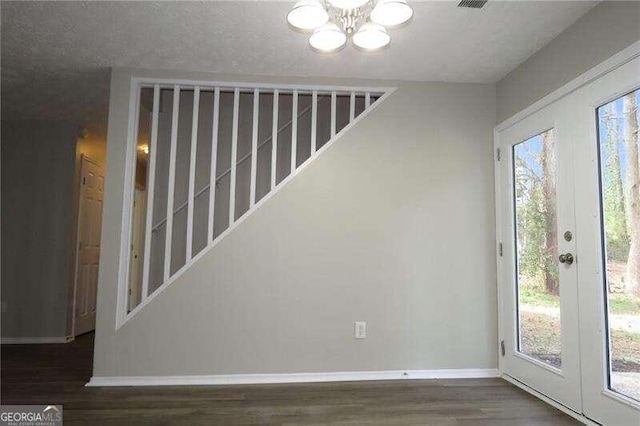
(32, 340)
(245, 379)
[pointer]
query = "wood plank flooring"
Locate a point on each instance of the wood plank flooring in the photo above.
(56, 374)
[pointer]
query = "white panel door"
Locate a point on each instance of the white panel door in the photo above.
(88, 248)
(538, 285)
(605, 118)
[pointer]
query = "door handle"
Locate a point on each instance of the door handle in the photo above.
(566, 258)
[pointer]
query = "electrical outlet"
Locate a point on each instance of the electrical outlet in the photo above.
(360, 330)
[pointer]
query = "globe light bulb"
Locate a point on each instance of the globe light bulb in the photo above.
(371, 37)
(391, 13)
(307, 15)
(328, 38)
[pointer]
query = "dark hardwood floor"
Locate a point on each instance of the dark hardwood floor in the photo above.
(56, 374)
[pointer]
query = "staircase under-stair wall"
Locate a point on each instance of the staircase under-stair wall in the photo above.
(294, 210)
(243, 140)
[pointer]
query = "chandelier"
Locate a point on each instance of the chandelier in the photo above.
(331, 22)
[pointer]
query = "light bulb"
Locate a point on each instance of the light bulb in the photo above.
(391, 13)
(371, 37)
(307, 15)
(348, 4)
(328, 38)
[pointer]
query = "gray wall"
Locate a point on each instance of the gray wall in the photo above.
(37, 186)
(604, 31)
(375, 230)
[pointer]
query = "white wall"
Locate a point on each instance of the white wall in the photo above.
(604, 31)
(392, 225)
(37, 210)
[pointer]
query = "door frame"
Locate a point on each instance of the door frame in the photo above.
(83, 158)
(614, 62)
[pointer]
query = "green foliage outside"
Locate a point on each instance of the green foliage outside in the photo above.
(613, 191)
(536, 210)
(619, 303)
(533, 258)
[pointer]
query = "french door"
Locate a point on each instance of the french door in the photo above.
(539, 298)
(568, 201)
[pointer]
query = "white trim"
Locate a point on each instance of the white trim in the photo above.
(497, 173)
(127, 204)
(208, 85)
(254, 147)
(538, 363)
(619, 397)
(553, 403)
(294, 132)
(34, 340)
(333, 114)
(314, 120)
(246, 379)
(192, 171)
(171, 185)
(125, 317)
(352, 106)
(153, 148)
(594, 73)
(274, 138)
(214, 163)
(234, 157)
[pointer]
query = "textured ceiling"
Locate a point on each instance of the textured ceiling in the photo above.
(56, 56)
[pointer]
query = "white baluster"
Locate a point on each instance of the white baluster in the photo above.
(172, 181)
(314, 120)
(352, 107)
(254, 147)
(151, 181)
(234, 156)
(214, 162)
(274, 139)
(333, 114)
(192, 172)
(294, 131)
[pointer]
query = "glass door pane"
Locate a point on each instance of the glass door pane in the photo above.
(537, 280)
(620, 201)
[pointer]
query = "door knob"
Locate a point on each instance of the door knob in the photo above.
(566, 258)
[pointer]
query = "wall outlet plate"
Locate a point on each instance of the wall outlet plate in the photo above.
(360, 330)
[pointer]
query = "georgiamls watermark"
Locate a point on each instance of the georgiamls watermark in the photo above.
(31, 415)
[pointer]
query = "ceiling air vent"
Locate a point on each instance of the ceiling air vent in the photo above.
(473, 4)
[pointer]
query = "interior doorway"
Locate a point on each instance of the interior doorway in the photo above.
(91, 194)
